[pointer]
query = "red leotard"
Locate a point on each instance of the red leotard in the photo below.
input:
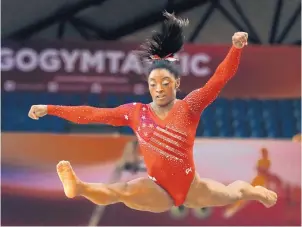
(167, 145)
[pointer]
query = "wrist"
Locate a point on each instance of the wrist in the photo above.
(238, 47)
(49, 109)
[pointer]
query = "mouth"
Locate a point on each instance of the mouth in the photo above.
(160, 97)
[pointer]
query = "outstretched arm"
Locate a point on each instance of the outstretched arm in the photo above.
(120, 116)
(199, 99)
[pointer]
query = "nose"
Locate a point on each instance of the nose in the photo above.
(159, 88)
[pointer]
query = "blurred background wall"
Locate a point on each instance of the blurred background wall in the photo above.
(76, 52)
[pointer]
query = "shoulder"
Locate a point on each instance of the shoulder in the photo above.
(182, 103)
(131, 105)
(131, 109)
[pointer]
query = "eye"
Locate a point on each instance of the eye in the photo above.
(166, 83)
(152, 85)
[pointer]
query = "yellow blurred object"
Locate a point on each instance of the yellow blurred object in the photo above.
(297, 138)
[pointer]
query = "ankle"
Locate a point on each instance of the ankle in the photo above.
(81, 187)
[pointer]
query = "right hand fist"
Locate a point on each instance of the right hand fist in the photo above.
(239, 39)
(37, 111)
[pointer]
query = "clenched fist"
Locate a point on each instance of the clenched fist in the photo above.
(37, 111)
(240, 39)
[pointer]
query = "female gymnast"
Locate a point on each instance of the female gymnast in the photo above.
(165, 129)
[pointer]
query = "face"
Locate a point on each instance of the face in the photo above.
(162, 86)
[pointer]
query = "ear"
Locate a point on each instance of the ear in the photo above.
(177, 83)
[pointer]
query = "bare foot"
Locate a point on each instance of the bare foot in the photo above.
(68, 178)
(268, 198)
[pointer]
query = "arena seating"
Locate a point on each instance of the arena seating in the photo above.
(223, 118)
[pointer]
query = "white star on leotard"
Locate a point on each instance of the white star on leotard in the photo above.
(152, 178)
(126, 117)
(143, 117)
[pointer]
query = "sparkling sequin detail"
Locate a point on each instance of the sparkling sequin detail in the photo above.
(157, 150)
(170, 134)
(119, 116)
(199, 99)
(176, 130)
(167, 139)
(165, 146)
(165, 154)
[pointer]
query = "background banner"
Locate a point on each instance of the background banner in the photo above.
(106, 67)
(32, 191)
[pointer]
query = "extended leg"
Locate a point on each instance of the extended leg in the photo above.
(206, 193)
(141, 194)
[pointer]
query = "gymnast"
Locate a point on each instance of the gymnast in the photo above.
(165, 129)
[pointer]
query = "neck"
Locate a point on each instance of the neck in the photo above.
(163, 109)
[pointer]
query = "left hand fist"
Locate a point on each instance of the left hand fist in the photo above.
(239, 39)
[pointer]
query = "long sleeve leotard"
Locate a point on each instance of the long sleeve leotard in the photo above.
(167, 145)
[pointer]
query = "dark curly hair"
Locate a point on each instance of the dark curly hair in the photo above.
(162, 46)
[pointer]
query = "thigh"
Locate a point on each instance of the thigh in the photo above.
(144, 194)
(206, 193)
